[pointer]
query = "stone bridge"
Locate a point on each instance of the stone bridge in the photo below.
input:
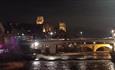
(77, 45)
(97, 47)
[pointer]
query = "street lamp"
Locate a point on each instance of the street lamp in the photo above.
(112, 31)
(81, 33)
(51, 33)
(113, 37)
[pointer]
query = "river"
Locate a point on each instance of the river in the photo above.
(58, 65)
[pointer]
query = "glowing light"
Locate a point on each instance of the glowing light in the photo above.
(44, 30)
(51, 58)
(84, 42)
(35, 45)
(114, 34)
(70, 45)
(81, 33)
(37, 59)
(51, 33)
(112, 31)
(40, 20)
(94, 42)
(110, 47)
(36, 63)
(22, 34)
(34, 53)
(62, 26)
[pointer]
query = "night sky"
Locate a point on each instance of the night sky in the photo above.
(93, 17)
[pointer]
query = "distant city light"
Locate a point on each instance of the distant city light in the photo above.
(81, 33)
(35, 45)
(22, 34)
(112, 31)
(84, 42)
(37, 59)
(51, 33)
(94, 42)
(114, 34)
(40, 20)
(70, 45)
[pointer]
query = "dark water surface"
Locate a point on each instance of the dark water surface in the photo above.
(58, 65)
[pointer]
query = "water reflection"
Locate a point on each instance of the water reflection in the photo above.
(36, 65)
(73, 65)
(59, 65)
(99, 65)
(11, 65)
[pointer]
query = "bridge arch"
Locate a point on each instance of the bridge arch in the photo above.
(103, 47)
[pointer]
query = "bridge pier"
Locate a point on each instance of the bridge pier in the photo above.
(52, 49)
